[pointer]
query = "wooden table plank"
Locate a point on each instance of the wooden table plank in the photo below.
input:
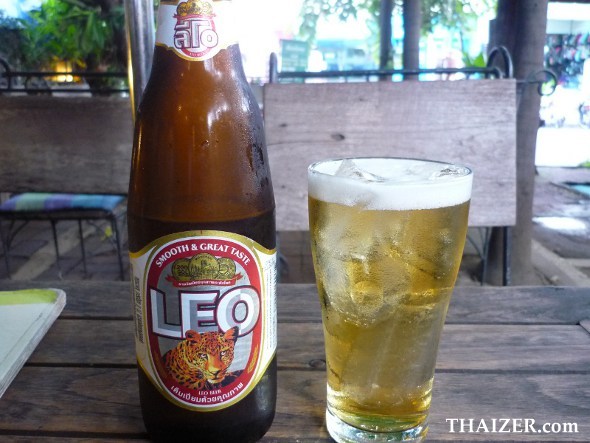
(87, 342)
(94, 402)
(505, 352)
(506, 348)
(520, 305)
(85, 298)
(298, 302)
(469, 305)
(544, 398)
(85, 401)
(553, 348)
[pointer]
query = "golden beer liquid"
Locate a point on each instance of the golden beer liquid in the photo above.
(385, 279)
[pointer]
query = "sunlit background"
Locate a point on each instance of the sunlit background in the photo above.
(268, 26)
(338, 45)
(17, 8)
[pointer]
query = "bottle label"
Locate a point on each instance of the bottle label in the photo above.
(195, 30)
(205, 316)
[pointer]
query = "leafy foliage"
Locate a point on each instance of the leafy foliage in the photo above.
(478, 61)
(77, 31)
(312, 10)
(458, 15)
(453, 14)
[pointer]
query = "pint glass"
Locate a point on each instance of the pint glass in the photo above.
(387, 239)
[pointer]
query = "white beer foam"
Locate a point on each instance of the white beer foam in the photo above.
(390, 183)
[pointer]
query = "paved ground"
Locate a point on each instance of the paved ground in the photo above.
(562, 225)
(561, 249)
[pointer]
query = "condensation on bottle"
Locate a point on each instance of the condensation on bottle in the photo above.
(202, 237)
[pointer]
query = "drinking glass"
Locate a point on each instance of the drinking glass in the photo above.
(387, 238)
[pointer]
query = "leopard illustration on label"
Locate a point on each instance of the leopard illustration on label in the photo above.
(201, 361)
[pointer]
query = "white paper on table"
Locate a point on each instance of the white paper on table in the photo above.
(25, 317)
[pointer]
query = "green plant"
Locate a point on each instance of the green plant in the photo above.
(72, 31)
(479, 61)
(458, 16)
(312, 10)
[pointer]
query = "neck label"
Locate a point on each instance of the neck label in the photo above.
(195, 30)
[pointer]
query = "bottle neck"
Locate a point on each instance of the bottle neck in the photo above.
(225, 68)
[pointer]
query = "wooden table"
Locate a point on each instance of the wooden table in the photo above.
(506, 353)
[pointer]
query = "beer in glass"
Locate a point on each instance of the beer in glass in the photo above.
(387, 239)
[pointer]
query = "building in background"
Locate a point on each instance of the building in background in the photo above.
(567, 54)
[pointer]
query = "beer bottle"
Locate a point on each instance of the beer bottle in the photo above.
(202, 237)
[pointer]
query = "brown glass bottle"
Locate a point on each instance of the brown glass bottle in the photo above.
(200, 165)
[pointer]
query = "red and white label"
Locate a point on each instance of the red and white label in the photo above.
(205, 315)
(195, 29)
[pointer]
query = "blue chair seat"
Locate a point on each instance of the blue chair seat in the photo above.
(38, 201)
(54, 207)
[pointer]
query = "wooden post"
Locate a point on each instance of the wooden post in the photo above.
(521, 27)
(385, 37)
(412, 27)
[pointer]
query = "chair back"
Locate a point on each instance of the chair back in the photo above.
(469, 122)
(65, 144)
